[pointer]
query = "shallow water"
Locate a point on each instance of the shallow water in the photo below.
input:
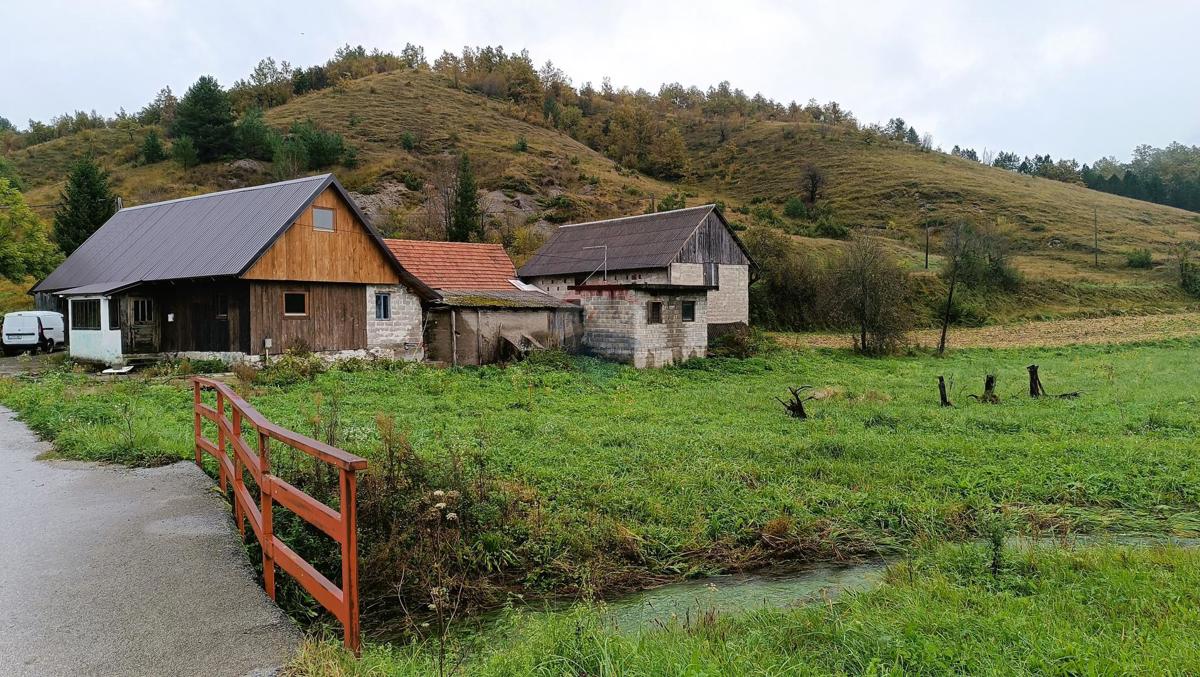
(736, 593)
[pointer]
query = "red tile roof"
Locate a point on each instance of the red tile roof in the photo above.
(456, 265)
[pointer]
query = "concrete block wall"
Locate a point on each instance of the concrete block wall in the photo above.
(730, 302)
(615, 327)
(402, 335)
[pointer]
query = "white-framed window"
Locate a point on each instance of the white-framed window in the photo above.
(383, 306)
(322, 218)
(85, 314)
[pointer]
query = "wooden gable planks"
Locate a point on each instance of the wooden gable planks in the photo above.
(348, 254)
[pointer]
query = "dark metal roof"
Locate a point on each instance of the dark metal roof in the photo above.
(633, 242)
(488, 298)
(211, 235)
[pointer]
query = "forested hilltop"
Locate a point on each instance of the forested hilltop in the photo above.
(404, 132)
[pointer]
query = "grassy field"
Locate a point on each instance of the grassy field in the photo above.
(1088, 611)
(1110, 330)
(628, 476)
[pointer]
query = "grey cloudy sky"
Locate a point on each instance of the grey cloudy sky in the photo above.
(1075, 79)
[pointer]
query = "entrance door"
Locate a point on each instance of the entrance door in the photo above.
(143, 326)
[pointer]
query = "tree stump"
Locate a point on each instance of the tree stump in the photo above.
(795, 406)
(989, 391)
(942, 392)
(1035, 383)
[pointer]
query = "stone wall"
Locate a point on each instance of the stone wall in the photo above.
(401, 336)
(730, 302)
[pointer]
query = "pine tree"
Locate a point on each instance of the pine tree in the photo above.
(152, 149)
(466, 220)
(205, 115)
(86, 203)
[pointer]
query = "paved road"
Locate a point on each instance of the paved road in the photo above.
(109, 571)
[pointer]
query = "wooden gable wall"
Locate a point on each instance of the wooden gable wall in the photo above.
(347, 254)
(712, 243)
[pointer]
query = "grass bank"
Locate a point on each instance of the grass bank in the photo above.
(586, 477)
(951, 610)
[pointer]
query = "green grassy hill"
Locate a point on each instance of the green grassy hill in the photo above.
(892, 189)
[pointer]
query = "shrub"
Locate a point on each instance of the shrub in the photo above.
(291, 368)
(741, 342)
(1139, 258)
(521, 145)
(254, 137)
(152, 150)
(790, 295)
(184, 152)
(829, 228)
(408, 141)
(795, 208)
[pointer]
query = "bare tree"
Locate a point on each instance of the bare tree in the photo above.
(441, 191)
(871, 292)
(977, 256)
(812, 183)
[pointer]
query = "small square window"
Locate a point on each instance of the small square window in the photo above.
(143, 311)
(322, 218)
(654, 312)
(383, 306)
(295, 303)
(689, 311)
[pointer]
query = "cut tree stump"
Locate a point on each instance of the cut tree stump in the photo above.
(942, 392)
(989, 391)
(1035, 384)
(1036, 389)
(795, 406)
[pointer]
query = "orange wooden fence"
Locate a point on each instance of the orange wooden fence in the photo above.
(339, 525)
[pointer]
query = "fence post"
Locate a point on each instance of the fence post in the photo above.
(196, 422)
(268, 531)
(350, 558)
(238, 481)
(221, 440)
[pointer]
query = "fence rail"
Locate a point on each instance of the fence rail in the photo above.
(340, 525)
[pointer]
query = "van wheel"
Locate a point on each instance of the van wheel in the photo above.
(49, 347)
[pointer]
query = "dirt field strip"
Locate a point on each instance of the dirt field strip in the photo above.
(1127, 329)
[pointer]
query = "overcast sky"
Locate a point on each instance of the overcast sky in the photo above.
(1074, 79)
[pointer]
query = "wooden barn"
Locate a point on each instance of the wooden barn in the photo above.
(655, 288)
(483, 313)
(243, 272)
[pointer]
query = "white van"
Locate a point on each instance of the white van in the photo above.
(32, 330)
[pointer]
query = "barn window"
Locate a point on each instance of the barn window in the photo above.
(114, 313)
(85, 314)
(143, 311)
(221, 307)
(322, 218)
(383, 306)
(654, 312)
(295, 303)
(689, 311)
